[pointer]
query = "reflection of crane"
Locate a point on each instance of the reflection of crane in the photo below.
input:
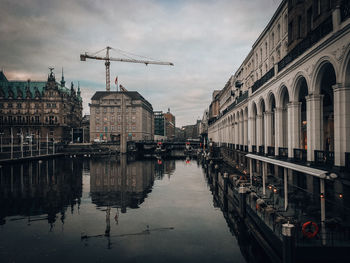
(107, 60)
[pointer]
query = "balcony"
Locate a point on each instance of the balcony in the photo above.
(271, 150)
(283, 152)
(316, 35)
(257, 84)
(324, 158)
(300, 155)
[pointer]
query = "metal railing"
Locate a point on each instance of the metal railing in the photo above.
(347, 161)
(314, 36)
(262, 150)
(283, 152)
(271, 150)
(246, 148)
(268, 75)
(324, 158)
(253, 148)
(300, 155)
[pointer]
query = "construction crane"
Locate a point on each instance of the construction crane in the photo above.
(108, 59)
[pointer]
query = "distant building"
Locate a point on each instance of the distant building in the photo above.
(38, 109)
(85, 125)
(191, 131)
(106, 118)
(169, 125)
(159, 126)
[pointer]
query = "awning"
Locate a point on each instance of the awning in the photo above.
(292, 166)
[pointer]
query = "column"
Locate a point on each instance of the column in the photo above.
(251, 133)
(314, 117)
(268, 129)
(278, 129)
(294, 119)
(259, 131)
(241, 139)
(245, 140)
(341, 123)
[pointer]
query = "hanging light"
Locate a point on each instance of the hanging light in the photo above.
(340, 195)
(322, 195)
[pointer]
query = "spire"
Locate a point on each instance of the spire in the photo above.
(78, 89)
(72, 91)
(63, 83)
(51, 76)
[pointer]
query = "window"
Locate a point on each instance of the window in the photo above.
(290, 31)
(9, 105)
(285, 23)
(272, 40)
(112, 109)
(299, 27)
(278, 32)
(104, 110)
(309, 20)
(48, 105)
(266, 51)
(36, 119)
(97, 128)
(19, 105)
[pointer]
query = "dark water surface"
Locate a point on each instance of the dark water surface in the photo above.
(108, 210)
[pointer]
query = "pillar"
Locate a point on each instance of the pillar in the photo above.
(241, 139)
(251, 132)
(294, 119)
(314, 117)
(278, 129)
(288, 243)
(341, 123)
(242, 201)
(245, 138)
(285, 181)
(268, 129)
(259, 131)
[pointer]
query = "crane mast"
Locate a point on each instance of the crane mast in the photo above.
(108, 60)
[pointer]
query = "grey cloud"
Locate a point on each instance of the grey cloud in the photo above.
(206, 40)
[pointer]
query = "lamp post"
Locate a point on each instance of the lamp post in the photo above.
(21, 136)
(1, 134)
(11, 143)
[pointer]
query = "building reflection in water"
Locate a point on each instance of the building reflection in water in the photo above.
(120, 184)
(40, 190)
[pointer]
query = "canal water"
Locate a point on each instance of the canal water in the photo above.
(113, 210)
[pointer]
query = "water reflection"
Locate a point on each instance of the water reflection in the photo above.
(30, 190)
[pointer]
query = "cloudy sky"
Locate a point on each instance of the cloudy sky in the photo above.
(206, 40)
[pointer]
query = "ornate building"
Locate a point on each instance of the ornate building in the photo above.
(38, 109)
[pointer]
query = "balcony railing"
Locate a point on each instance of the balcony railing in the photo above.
(347, 161)
(300, 155)
(261, 149)
(316, 35)
(241, 147)
(271, 150)
(324, 158)
(268, 75)
(237, 146)
(253, 148)
(283, 152)
(246, 148)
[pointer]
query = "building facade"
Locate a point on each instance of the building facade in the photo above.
(159, 126)
(169, 125)
(107, 114)
(291, 96)
(38, 109)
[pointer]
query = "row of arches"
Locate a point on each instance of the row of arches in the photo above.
(304, 115)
